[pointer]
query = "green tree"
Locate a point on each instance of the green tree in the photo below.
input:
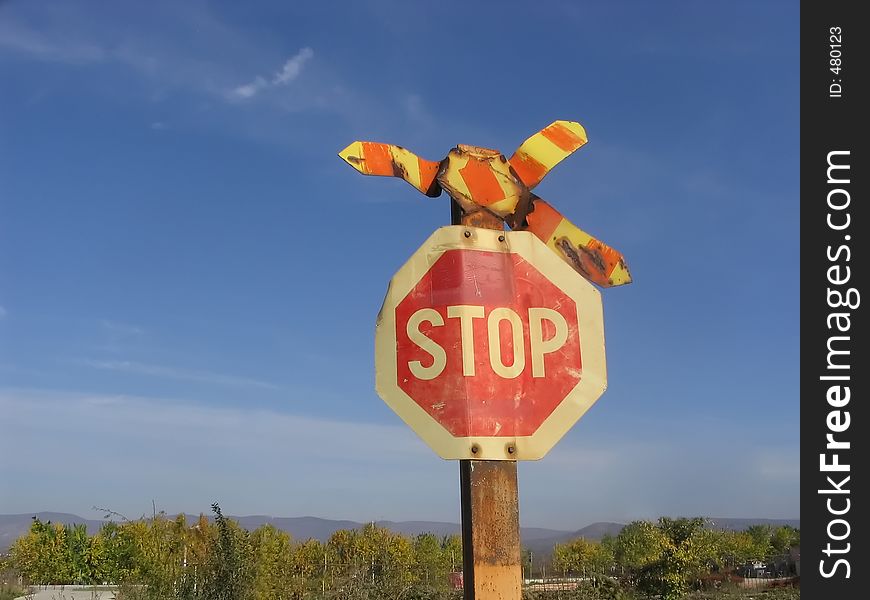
(158, 555)
(25, 557)
(581, 556)
(314, 565)
(77, 541)
(44, 555)
(120, 552)
(96, 561)
(229, 570)
(343, 544)
(638, 544)
(682, 559)
(429, 560)
(608, 542)
(783, 538)
(162, 558)
(388, 559)
(397, 561)
(273, 564)
(451, 547)
(761, 540)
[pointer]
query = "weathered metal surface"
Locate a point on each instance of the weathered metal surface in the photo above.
(373, 158)
(595, 260)
(483, 219)
(488, 345)
(547, 148)
(490, 530)
(481, 179)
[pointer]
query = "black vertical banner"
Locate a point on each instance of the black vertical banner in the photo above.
(835, 64)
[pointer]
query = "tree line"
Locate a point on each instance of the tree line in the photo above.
(668, 558)
(172, 558)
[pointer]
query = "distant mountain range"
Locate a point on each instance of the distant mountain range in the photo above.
(535, 539)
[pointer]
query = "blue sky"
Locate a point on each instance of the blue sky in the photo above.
(189, 275)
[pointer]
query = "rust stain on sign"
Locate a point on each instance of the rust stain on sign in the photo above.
(482, 179)
(371, 158)
(482, 346)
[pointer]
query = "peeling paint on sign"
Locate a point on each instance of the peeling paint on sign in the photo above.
(482, 179)
(488, 345)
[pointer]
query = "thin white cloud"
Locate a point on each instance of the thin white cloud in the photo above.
(186, 456)
(288, 73)
(3, 313)
(249, 90)
(158, 126)
(68, 36)
(22, 40)
(195, 53)
(293, 67)
(209, 377)
(215, 427)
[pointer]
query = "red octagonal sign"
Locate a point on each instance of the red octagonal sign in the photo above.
(489, 346)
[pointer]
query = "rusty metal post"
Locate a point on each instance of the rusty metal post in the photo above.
(491, 568)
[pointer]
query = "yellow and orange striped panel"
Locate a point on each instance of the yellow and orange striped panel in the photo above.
(477, 177)
(373, 158)
(547, 148)
(595, 260)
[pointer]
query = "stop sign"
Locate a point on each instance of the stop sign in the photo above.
(489, 345)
